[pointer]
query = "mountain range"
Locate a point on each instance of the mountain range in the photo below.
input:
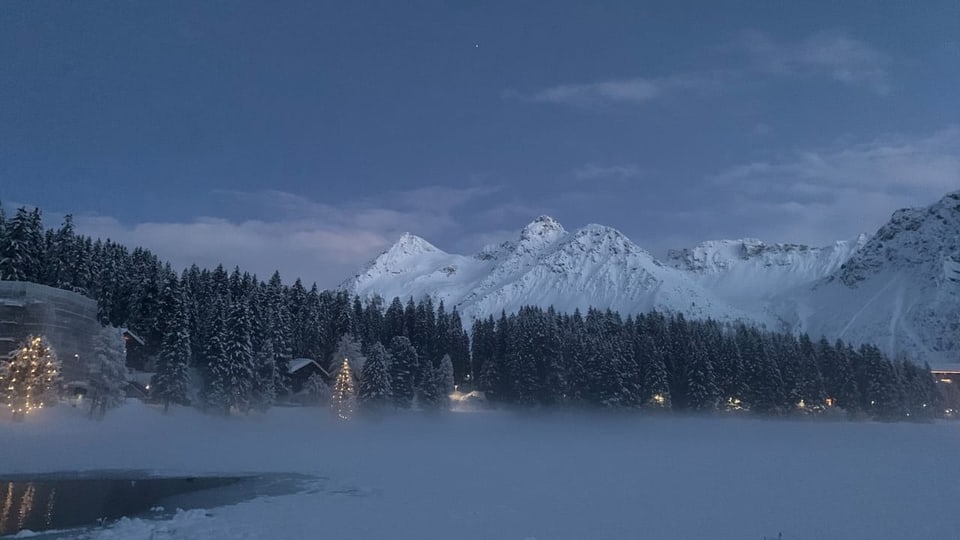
(899, 288)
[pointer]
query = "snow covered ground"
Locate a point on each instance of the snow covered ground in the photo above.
(499, 475)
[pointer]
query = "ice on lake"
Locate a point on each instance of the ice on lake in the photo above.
(502, 475)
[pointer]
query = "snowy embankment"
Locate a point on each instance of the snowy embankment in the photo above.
(497, 475)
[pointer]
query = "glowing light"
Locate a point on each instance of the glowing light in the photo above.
(32, 373)
(342, 399)
(801, 404)
(659, 399)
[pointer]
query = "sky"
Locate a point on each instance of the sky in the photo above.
(308, 136)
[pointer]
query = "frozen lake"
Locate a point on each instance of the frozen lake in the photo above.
(498, 475)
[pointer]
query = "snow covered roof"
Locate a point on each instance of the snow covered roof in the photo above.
(945, 368)
(128, 332)
(299, 363)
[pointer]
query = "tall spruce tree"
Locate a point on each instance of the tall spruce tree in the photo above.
(17, 256)
(214, 361)
(171, 381)
(656, 389)
(403, 366)
(374, 393)
(239, 356)
(702, 392)
(107, 372)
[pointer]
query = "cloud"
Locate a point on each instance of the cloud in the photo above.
(317, 241)
(824, 194)
(592, 171)
(623, 91)
(833, 54)
(631, 91)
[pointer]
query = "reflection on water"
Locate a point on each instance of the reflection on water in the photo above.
(26, 505)
(7, 505)
(23, 496)
(56, 503)
(48, 517)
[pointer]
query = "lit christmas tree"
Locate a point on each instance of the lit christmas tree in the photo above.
(342, 400)
(30, 376)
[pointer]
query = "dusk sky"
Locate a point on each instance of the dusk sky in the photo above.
(307, 136)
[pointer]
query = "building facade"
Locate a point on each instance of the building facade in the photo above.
(68, 321)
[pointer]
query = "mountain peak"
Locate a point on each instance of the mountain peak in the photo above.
(542, 226)
(412, 244)
(539, 234)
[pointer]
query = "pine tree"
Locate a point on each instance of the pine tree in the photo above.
(172, 379)
(701, 384)
(348, 347)
(403, 365)
(731, 374)
(374, 393)
(445, 376)
(430, 396)
(30, 377)
(107, 372)
(342, 400)
(17, 256)
(458, 343)
(656, 391)
(881, 388)
(239, 357)
(525, 354)
(813, 392)
(61, 252)
(279, 313)
(392, 321)
(483, 347)
(766, 393)
(266, 377)
(216, 391)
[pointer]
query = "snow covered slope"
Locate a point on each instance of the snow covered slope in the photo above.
(748, 269)
(899, 289)
(594, 266)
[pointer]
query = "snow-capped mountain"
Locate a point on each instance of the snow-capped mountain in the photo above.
(899, 289)
(594, 266)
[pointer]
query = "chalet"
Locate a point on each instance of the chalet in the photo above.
(948, 382)
(301, 369)
(946, 375)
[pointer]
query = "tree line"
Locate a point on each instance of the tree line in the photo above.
(223, 340)
(225, 337)
(538, 357)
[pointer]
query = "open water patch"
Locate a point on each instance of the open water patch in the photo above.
(58, 501)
